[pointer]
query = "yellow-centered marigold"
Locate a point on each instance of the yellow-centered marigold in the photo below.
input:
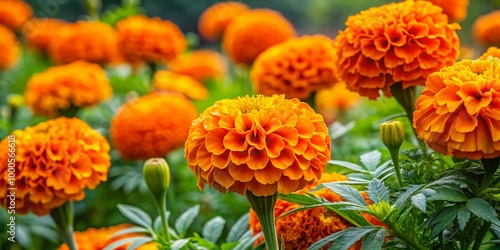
(458, 112)
(214, 19)
(143, 39)
(456, 10)
(397, 42)
(9, 48)
(492, 51)
(297, 67)
(253, 31)
(199, 64)
(168, 81)
(152, 125)
(337, 98)
(14, 13)
(54, 162)
(486, 29)
(79, 84)
(259, 144)
(39, 32)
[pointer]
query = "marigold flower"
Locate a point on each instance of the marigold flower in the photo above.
(78, 84)
(397, 42)
(39, 32)
(297, 67)
(183, 84)
(91, 41)
(259, 144)
(486, 29)
(9, 48)
(14, 13)
(492, 51)
(456, 10)
(215, 18)
(164, 124)
(199, 64)
(150, 39)
(467, 52)
(254, 31)
(55, 161)
(457, 112)
(336, 98)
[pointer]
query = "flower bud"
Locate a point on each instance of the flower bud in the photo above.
(392, 134)
(156, 173)
(15, 100)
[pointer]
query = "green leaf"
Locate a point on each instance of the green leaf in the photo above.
(403, 198)
(186, 219)
(374, 240)
(116, 244)
(349, 165)
(179, 244)
(447, 194)
(419, 201)
(377, 191)
(157, 223)
(213, 229)
(371, 159)
(342, 240)
(229, 246)
(462, 217)
(443, 219)
(347, 192)
(248, 242)
(238, 228)
(136, 215)
(482, 209)
(129, 230)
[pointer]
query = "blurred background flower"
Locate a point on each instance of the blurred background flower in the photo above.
(200, 64)
(214, 19)
(183, 84)
(9, 48)
(14, 13)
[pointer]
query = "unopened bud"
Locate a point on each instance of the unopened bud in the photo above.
(156, 174)
(15, 100)
(392, 134)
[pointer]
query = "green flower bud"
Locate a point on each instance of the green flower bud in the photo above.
(392, 134)
(380, 210)
(156, 173)
(15, 100)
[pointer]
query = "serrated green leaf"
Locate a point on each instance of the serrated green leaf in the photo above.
(447, 194)
(347, 192)
(213, 229)
(179, 244)
(371, 159)
(374, 239)
(463, 216)
(443, 219)
(238, 228)
(125, 241)
(482, 209)
(342, 240)
(349, 165)
(377, 191)
(300, 199)
(136, 215)
(186, 219)
(419, 201)
(403, 198)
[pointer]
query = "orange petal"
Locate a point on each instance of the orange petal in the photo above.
(293, 172)
(221, 161)
(235, 141)
(286, 186)
(289, 134)
(268, 175)
(304, 127)
(240, 172)
(203, 158)
(256, 138)
(223, 177)
(274, 145)
(259, 189)
(214, 141)
(258, 159)
(284, 160)
(239, 158)
(244, 123)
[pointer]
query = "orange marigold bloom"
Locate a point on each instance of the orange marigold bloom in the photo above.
(9, 48)
(169, 81)
(91, 41)
(199, 64)
(492, 51)
(78, 84)
(150, 39)
(297, 67)
(152, 125)
(337, 98)
(215, 18)
(39, 32)
(14, 13)
(55, 161)
(456, 10)
(458, 111)
(486, 29)
(397, 42)
(259, 144)
(254, 31)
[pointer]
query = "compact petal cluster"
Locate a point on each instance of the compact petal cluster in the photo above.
(9, 48)
(199, 64)
(398, 42)
(78, 84)
(456, 10)
(458, 112)
(168, 81)
(214, 19)
(149, 39)
(492, 51)
(258, 144)
(55, 161)
(254, 31)
(39, 32)
(14, 13)
(337, 98)
(152, 125)
(91, 41)
(486, 29)
(297, 67)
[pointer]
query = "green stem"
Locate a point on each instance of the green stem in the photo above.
(162, 208)
(264, 208)
(480, 235)
(63, 217)
(69, 112)
(407, 239)
(397, 168)
(490, 167)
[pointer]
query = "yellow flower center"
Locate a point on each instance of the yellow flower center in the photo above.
(257, 103)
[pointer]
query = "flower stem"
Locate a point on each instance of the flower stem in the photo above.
(162, 208)
(63, 217)
(480, 235)
(397, 168)
(264, 208)
(490, 167)
(401, 235)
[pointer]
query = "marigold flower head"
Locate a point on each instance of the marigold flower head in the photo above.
(9, 48)
(259, 144)
(330, 101)
(91, 41)
(183, 84)
(78, 84)
(486, 29)
(456, 10)
(254, 31)
(55, 161)
(457, 113)
(397, 42)
(14, 13)
(297, 67)
(39, 32)
(199, 64)
(149, 39)
(214, 19)
(164, 124)
(492, 51)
